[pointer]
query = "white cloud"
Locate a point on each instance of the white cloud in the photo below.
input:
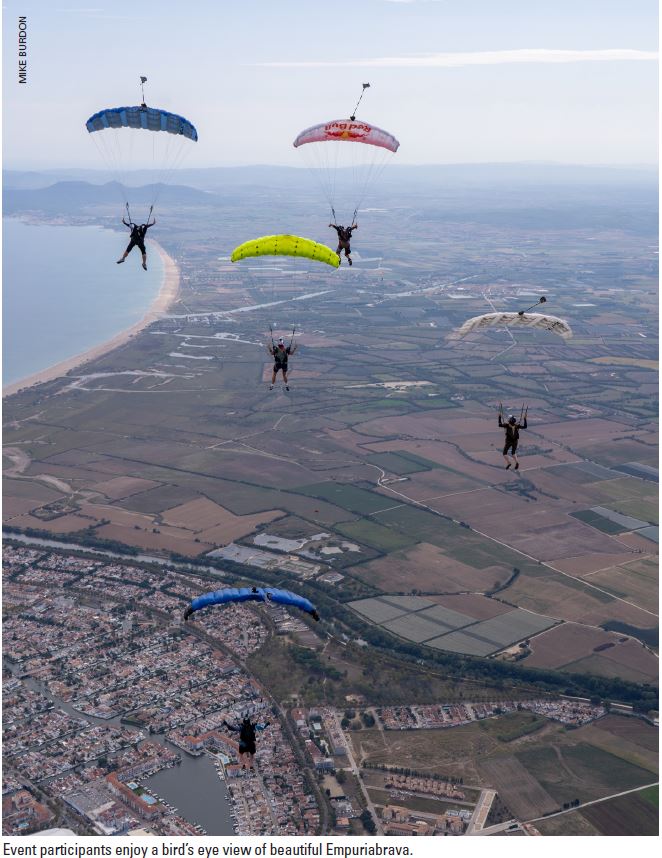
(477, 58)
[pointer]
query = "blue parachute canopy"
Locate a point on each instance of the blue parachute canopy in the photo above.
(252, 594)
(146, 118)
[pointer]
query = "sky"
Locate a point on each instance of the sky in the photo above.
(456, 81)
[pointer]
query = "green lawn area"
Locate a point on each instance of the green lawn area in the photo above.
(514, 725)
(651, 795)
(599, 522)
(461, 543)
(400, 462)
(385, 539)
(582, 771)
(357, 500)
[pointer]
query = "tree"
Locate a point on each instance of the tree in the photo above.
(368, 821)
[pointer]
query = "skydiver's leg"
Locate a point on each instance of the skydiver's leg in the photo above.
(505, 456)
(144, 260)
(338, 249)
(513, 454)
(128, 250)
(287, 385)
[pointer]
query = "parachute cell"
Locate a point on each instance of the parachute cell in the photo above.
(346, 130)
(285, 245)
(252, 594)
(527, 320)
(141, 118)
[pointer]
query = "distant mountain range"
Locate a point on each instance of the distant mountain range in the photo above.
(218, 178)
(82, 197)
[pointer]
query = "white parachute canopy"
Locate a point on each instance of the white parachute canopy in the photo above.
(528, 320)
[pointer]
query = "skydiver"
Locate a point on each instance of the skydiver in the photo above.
(344, 238)
(137, 239)
(246, 732)
(280, 353)
(512, 427)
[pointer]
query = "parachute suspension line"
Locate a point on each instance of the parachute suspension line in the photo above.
(333, 212)
(541, 300)
(353, 115)
(143, 81)
(271, 331)
(292, 337)
(128, 212)
(176, 151)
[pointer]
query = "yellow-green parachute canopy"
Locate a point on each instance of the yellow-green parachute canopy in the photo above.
(286, 245)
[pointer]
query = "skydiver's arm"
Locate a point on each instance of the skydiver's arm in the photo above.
(523, 425)
(129, 224)
(501, 423)
(147, 225)
(354, 226)
(230, 727)
(334, 226)
(292, 349)
(271, 349)
(261, 726)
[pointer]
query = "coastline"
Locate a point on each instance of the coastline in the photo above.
(159, 307)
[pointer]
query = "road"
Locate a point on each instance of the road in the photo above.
(355, 770)
(480, 814)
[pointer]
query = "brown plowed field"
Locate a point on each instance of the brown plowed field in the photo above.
(633, 729)
(13, 506)
(64, 524)
(637, 587)
(426, 568)
(597, 665)
(563, 540)
(590, 563)
(639, 543)
(164, 541)
(122, 487)
(478, 607)
(202, 514)
(618, 611)
(632, 654)
(564, 644)
(590, 431)
(117, 515)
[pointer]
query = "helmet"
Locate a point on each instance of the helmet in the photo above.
(281, 341)
(511, 418)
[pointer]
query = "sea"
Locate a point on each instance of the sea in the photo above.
(62, 292)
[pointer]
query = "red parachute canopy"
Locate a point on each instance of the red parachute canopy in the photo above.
(350, 131)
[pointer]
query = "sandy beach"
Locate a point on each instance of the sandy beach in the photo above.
(159, 307)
